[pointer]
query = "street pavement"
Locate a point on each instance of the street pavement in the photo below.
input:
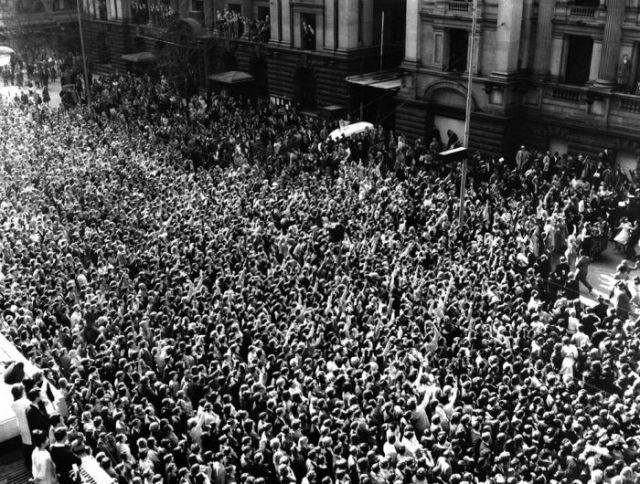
(54, 92)
(601, 274)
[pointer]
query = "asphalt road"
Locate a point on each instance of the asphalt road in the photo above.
(54, 92)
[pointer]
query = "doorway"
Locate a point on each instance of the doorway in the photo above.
(578, 60)
(305, 81)
(458, 50)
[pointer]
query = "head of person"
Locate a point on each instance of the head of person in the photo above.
(39, 439)
(60, 434)
(17, 391)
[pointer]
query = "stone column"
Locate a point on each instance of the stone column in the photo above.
(330, 19)
(607, 73)
(348, 21)
(288, 24)
(124, 9)
(208, 15)
(525, 44)
(555, 59)
(367, 23)
(412, 35)
(508, 37)
(275, 15)
(183, 8)
(596, 54)
(544, 32)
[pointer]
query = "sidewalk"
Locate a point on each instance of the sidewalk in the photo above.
(54, 92)
(601, 275)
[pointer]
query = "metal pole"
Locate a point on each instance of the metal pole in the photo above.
(467, 113)
(84, 57)
(382, 40)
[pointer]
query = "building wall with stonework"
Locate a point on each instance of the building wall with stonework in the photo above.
(300, 52)
(557, 74)
(31, 25)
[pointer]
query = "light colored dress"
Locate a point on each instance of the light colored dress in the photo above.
(623, 236)
(42, 467)
(570, 353)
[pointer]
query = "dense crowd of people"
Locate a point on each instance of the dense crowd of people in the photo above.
(234, 25)
(158, 13)
(222, 294)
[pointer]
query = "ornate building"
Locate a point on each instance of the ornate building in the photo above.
(297, 51)
(29, 25)
(552, 73)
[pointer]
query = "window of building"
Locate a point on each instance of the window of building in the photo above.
(308, 31)
(458, 50)
(59, 5)
(235, 7)
(140, 11)
(197, 5)
(578, 60)
(38, 7)
(102, 9)
(586, 3)
(263, 13)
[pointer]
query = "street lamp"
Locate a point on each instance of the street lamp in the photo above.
(84, 57)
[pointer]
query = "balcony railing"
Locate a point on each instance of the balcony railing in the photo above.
(565, 93)
(459, 6)
(630, 104)
(584, 12)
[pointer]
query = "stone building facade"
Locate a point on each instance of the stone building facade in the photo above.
(311, 48)
(552, 73)
(27, 25)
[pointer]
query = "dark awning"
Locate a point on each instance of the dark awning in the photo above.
(231, 77)
(389, 80)
(454, 154)
(140, 57)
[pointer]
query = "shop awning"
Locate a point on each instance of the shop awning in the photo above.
(389, 80)
(5, 55)
(350, 130)
(231, 77)
(140, 57)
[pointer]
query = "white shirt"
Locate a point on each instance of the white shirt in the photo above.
(20, 408)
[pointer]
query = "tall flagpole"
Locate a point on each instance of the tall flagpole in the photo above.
(381, 39)
(467, 113)
(87, 88)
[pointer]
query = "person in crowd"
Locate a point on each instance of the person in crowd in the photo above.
(63, 458)
(582, 270)
(20, 406)
(43, 469)
(36, 413)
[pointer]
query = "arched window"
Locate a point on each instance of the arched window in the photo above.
(59, 5)
(38, 7)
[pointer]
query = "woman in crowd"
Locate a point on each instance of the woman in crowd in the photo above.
(43, 468)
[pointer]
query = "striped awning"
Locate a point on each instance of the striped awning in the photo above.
(389, 80)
